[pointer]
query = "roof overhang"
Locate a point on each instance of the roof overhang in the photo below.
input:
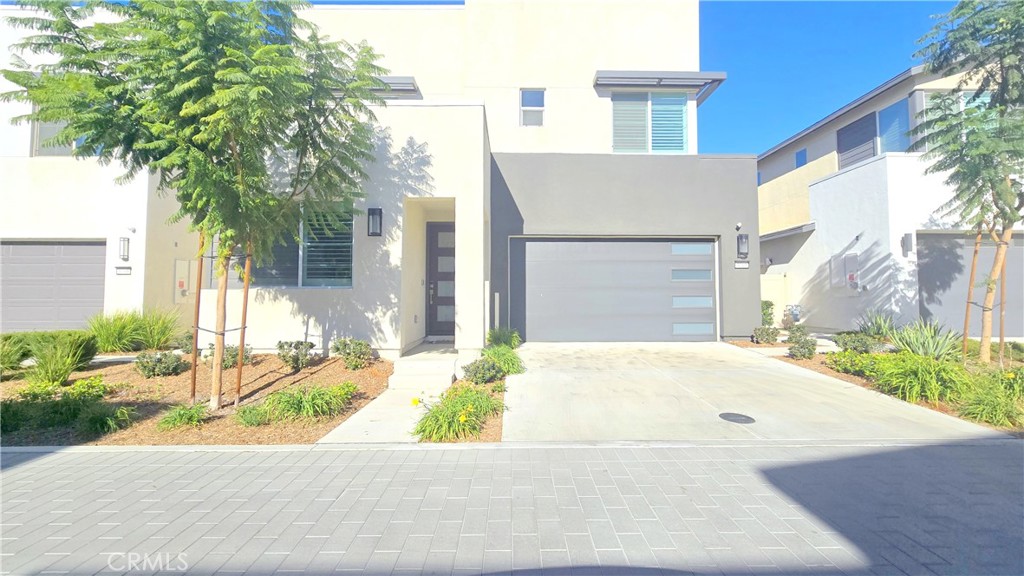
(703, 83)
(400, 86)
(791, 231)
(905, 75)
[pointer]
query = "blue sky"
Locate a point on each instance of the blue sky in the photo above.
(790, 64)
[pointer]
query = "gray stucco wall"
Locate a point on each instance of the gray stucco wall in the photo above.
(632, 196)
(944, 273)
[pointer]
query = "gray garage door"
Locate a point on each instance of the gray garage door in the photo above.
(615, 290)
(50, 285)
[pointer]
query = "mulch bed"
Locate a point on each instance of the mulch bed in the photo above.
(152, 397)
(749, 344)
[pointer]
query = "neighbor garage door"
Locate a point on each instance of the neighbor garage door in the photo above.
(616, 290)
(50, 285)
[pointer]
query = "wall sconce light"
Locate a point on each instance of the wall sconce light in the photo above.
(122, 249)
(374, 221)
(742, 246)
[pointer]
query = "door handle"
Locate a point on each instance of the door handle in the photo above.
(431, 292)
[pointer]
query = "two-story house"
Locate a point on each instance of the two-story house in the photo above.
(536, 167)
(851, 223)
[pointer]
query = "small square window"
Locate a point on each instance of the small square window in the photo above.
(801, 157)
(531, 107)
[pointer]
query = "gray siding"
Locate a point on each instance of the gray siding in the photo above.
(612, 196)
(50, 285)
(944, 271)
(856, 141)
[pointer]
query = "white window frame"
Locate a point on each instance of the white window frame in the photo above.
(650, 121)
(301, 263)
(523, 109)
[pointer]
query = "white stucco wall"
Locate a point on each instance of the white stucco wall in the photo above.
(428, 168)
(864, 209)
(489, 49)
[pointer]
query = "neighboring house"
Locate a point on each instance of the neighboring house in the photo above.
(850, 223)
(536, 167)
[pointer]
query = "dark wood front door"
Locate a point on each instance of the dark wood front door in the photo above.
(440, 278)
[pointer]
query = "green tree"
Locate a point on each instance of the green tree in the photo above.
(247, 115)
(975, 134)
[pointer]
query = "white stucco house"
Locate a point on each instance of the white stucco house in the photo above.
(536, 166)
(850, 221)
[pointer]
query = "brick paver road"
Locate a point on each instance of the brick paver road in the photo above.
(710, 509)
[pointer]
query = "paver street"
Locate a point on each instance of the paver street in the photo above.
(718, 508)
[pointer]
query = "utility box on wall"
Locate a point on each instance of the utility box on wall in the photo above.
(184, 281)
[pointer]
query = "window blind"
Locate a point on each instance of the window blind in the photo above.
(668, 122)
(629, 122)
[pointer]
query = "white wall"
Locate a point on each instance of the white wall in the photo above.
(490, 49)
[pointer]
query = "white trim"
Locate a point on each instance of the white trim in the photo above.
(718, 288)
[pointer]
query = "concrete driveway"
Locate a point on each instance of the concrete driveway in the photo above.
(676, 392)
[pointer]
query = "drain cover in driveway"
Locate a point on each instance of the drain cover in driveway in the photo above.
(736, 418)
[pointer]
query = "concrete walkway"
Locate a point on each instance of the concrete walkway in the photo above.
(724, 509)
(424, 373)
(608, 392)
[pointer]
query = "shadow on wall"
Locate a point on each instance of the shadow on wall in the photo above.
(506, 220)
(370, 310)
(880, 283)
(940, 262)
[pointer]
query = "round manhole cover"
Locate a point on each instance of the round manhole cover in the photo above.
(736, 418)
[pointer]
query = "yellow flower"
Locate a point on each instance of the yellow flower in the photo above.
(1010, 375)
(469, 408)
(463, 418)
(415, 401)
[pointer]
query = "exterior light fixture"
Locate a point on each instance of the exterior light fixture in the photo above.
(374, 222)
(122, 250)
(742, 246)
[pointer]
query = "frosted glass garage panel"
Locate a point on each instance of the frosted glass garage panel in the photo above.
(682, 275)
(692, 302)
(693, 329)
(692, 249)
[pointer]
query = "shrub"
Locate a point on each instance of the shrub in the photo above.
(39, 391)
(1014, 351)
(796, 332)
(459, 413)
(184, 342)
(927, 339)
(118, 332)
(767, 313)
(876, 323)
(160, 364)
(765, 335)
(31, 343)
(803, 348)
(504, 337)
(356, 354)
(912, 378)
(1013, 382)
(181, 416)
(499, 387)
(857, 342)
(295, 354)
(60, 412)
(231, 356)
(506, 359)
(310, 402)
(100, 419)
(14, 415)
(483, 371)
(253, 415)
(13, 352)
(157, 328)
(86, 389)
(852, 362)
(56, 359)
(989, 402)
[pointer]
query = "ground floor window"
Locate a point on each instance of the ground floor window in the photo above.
(322, 258)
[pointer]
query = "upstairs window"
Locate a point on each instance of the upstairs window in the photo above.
(323, 258)
(801, 157)
(42, 132)
(649, 122)
(531, 107)
(894, 127)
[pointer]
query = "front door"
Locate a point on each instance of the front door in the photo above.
(440, 279)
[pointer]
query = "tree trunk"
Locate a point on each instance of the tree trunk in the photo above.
(218, 341)
(970, 292)
(1002, 314)
(985, 355)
